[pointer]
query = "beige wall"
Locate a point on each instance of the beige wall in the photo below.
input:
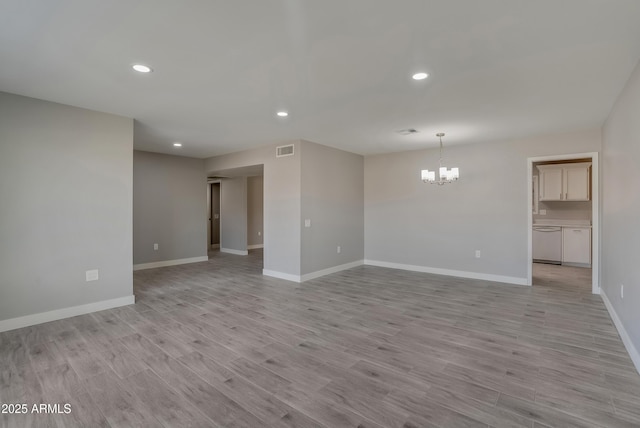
(66, 192)
(169, 207)
(621, 211)
(412, 223)
(565, 210)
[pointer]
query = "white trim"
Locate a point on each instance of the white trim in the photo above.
(595, 227)
(449, 272)
(256, 246)
(631, 349)
(535, 200)
(58, 314)
(236, 252)
(170, 263)
(281, 275)
(327, 271)
(312, 275)
(595, 214)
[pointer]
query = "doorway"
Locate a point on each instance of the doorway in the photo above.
(213, 227)
(235, 205)
(572, 219)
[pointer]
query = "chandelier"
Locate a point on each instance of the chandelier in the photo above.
(444, 175)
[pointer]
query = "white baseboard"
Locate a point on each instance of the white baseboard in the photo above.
(236, 252)
(631, 349)
(58, 314)
(312, 275)
(449, 272)
(256, 246)
(170, 263)
(334, 269)
(281, 275)
(215, 246)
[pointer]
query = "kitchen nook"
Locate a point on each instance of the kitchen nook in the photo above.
(562, 213)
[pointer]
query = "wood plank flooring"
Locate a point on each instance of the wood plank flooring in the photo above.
(216, 344)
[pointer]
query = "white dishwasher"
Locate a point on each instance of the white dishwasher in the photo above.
(547, 244)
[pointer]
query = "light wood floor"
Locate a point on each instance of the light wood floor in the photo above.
(218, 344)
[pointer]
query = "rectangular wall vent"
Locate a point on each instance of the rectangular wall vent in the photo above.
(284, 151)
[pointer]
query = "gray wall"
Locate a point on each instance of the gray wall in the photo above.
(281, 203)
(410, 222)
(621, 208)
(169, 207)
(66, 192)
(233, 214)
(255, 207)
(333, 199)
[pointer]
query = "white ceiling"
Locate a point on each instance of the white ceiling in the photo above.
(499, 69)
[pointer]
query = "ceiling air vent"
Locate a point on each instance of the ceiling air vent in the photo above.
(407, 131)
(282, 151)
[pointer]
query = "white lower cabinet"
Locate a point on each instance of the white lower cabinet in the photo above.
(576, 245)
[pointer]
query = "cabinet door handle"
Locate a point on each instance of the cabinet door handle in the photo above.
(577, 230)
(566, 196)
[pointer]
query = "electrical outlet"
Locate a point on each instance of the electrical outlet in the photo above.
(155, 247)
(622, 291)
(259, 233)
(543, 212)
(339, 249)
(477, 254)
(92, 275)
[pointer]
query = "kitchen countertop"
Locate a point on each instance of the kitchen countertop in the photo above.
(562, 223)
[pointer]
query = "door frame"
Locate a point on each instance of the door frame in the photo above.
(595, 213)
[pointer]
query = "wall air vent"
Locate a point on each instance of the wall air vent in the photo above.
(282, 151)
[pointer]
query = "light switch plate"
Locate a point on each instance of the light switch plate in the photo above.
(307, 222)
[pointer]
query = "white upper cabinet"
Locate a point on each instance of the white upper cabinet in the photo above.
(551, 188)
(577, 182)
(565, 182)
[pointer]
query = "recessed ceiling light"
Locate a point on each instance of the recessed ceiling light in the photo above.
(142, 68)
(420, 76)
(282, 114)
(176, 144)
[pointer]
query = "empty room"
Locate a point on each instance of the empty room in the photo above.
(298, 213)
